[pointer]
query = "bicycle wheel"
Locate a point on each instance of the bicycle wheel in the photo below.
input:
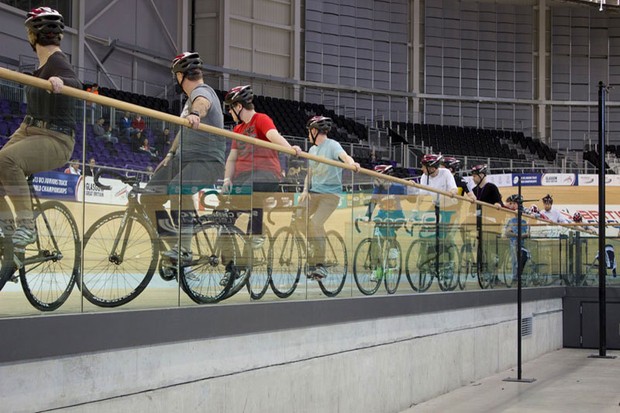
(392, 264)
(467, 265)
(285, 262)
(120, 256)
(364, 267)
(505, 270)
(52, 263)
(258, 283)
(336, 264)
(448, 276)
(418, 266)
(216, 250)
(486, 271)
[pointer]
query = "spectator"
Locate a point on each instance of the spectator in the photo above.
(124, 127)
(550, 213)
(137, 140)
(91, 169)
(94, 89)
(484, 190)
(100, 132)
(322, 189)
(146, 147)
(162, 141)
(73, 168)
(138, 124)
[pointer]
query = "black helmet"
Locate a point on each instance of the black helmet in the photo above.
(431, 160)
(239, 94)
(185, 62)
(322, 123)
(45, 20)
(515, 198)
(548, 199)
(479, 170)
(452, 163)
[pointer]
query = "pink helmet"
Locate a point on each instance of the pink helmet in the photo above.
(432, 160)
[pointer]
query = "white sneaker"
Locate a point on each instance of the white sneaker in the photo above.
(375, 277)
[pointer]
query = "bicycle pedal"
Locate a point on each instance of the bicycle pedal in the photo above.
(14, 279)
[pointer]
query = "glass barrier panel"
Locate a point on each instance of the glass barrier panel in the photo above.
(130, 221)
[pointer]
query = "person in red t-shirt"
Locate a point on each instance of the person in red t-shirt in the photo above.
(251, 165)
(138, 124)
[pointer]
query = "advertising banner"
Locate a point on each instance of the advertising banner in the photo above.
(56, 185)
(558, 179)
(526, 179)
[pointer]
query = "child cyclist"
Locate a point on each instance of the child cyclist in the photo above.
(389, 218)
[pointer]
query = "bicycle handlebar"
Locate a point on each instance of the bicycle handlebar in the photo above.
(128, 180)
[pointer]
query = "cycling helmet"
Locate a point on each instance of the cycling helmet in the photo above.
(239, 94)
(534, 210)
(322, 123)
(515, 198)
(547, 199)
(45, 20)
(185, 62)
(384, 169)
(452, 163)
(479, 170)
(577, 217)
(432, 160)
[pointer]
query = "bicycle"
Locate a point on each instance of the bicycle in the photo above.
(123, 248)
(48, 268)
(484, 269)
(431, 256)
(590, 274)
(531, 274)
(256, 257)
(287, 258)
(377, 258)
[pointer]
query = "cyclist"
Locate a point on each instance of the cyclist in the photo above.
(199, 159)
(511, 229)
(551, 214)
(322, 189)
(453, 165)
(484, 190)
(436, 177)
(45, 139)
(387, 196)
(250, 165)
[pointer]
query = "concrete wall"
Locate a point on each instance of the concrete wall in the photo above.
(351, 355)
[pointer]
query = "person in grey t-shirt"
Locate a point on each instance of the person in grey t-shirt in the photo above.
(196, 156)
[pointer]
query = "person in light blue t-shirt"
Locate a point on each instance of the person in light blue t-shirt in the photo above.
(322, 189)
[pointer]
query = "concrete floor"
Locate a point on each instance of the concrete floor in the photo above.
(566, 381)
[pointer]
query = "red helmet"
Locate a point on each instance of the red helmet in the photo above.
(479, 170)
(432, 160)
(45, 20)
(451, 163)
(185, 62)
(239, 94)
(322, 123)
(577, 217)
(384, 169)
